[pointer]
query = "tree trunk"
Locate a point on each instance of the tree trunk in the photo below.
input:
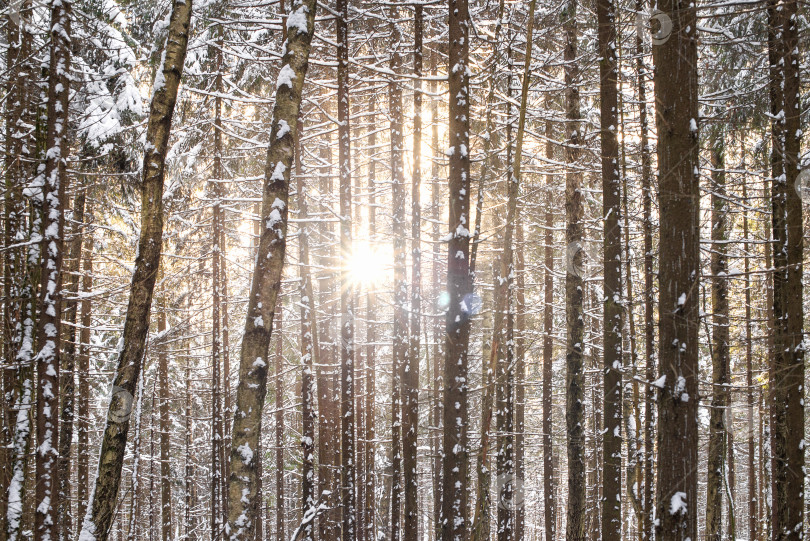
(459, 281)
(649, 280)
(492, 164)
(164, 392)
(279, 426)
(49, 323)
(612, 283)
(21, 380)
(309, 349)
(436, 327)
(348, 495)
(753, 481)
(188, 482)
(243, 506)
(370, 506)
(548, 345)
(136, 493)
(503, 342)
(720, 343)
(328, 432)
(399, 232)
(68, 371)
(676, 93)
(15, 272)
(787, 368)
(574, 288)
(519, 496)
(631, 411)
(103, 502)
(218, 477)
(410, 372)
(765, 420)
(83, 399)
(492, 161)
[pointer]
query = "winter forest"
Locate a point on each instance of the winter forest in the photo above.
(429, 270)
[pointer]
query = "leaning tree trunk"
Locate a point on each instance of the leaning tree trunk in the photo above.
(102, 506)
(243, 505)
(787, 368)
(676, 93)
(49, 324)
(574, 288)
(459, 281)
(612, 283)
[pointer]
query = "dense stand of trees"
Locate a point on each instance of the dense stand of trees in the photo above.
(498, 270)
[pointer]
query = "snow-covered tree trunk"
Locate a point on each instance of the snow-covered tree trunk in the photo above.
(649, 279)
(632, 390)
(218, 422)
(482, 523)
(279, 426)
(574, 286)
(164, 408)
(68, 368)
(716, 459)
(519, 496)
(549, 504)
(437, 328)
(454, 522)
(309, 350)
(399, 235)
(243, 506)
(787, 368)
(102, 505)
(16, 287)
(410, 372)
(370, 505)
(612, 284)
(348, 477)
(53, 184)
(328, 405)
(676, 97)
